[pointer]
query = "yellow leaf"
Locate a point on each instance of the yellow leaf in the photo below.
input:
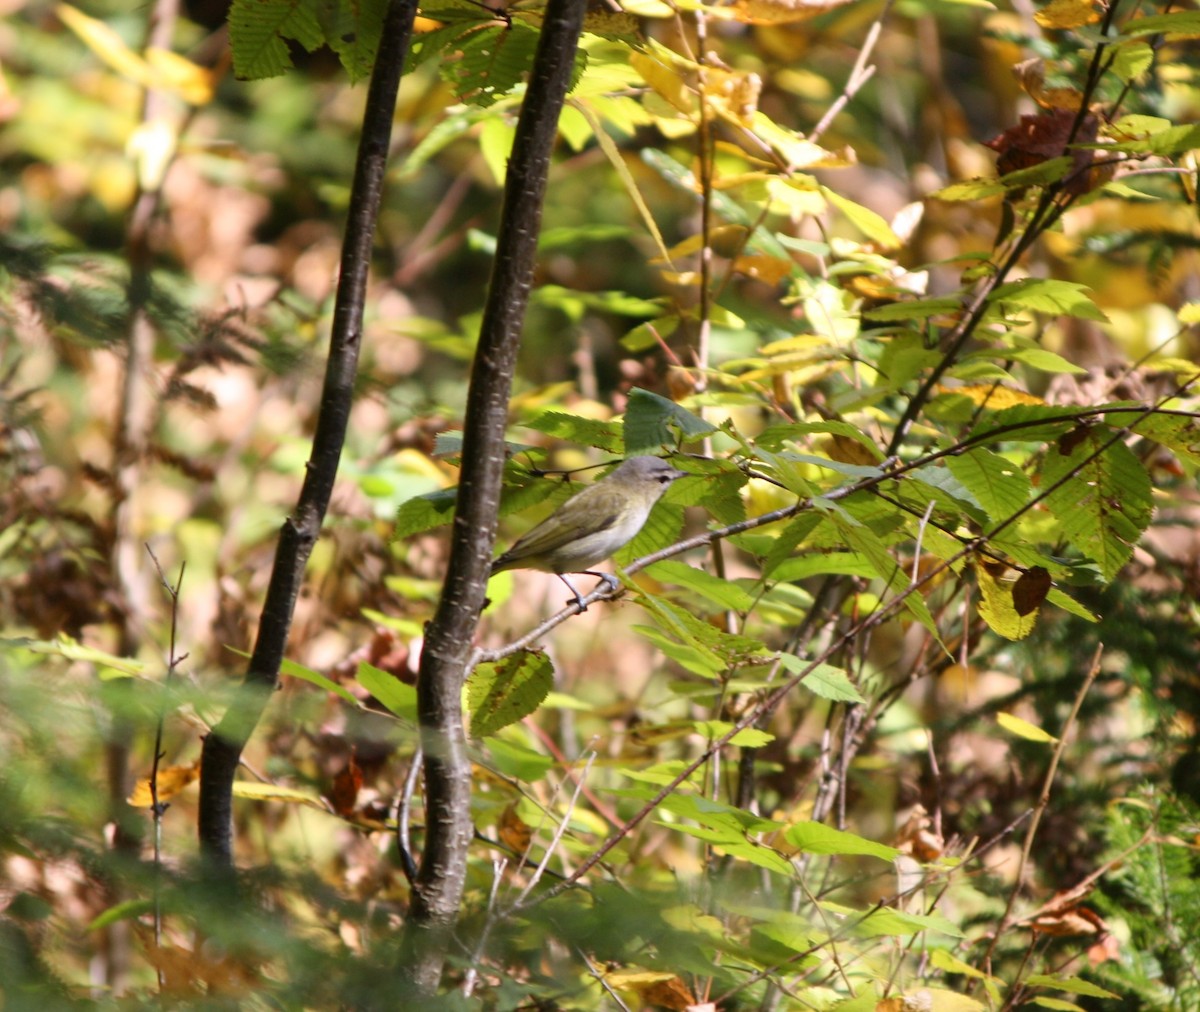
(271, 792)
(767, 269)
(190, 81)
(160, 68)
(996, 605)
(779, 12)
(171, 780)
(1067, 14)
(992, 397)
(1023, 729)
(666, 81)
(106, 44)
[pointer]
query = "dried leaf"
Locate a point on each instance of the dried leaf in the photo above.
(171, 780)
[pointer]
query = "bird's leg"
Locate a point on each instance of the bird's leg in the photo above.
(611, 581)
(578, 596)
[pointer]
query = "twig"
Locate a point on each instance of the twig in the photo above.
(860, 74)
(404, 815)
(1043, 801)
(157, 808)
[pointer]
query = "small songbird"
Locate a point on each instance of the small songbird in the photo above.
(593, 524)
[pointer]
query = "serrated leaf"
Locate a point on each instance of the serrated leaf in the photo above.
(257, 31)
(916, 309)
(748, 737)
(509, 690)
(817, 838)
(996, 605)
(1179, 433)
(1105, 502)
(999, 486)
(1023, 729)
(353, 34)
(424, 512)
(1045, 295)
(604, 435)
(824, 680)
(867, 543)
(1181, 22)
(653, 422)
(1043, 359)
(396, 696)
(724, 593)
(1073, 985)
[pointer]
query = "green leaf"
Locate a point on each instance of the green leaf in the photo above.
(424, 512)
(737, 846)
(1073, 985)
(129, 910)
(308, 675)
(257, 29)
(970, 189)
(517, 761)
(1057, 1003)
(502, 693)
(865, 541)
(824, 680)
(398, 697)
(748, 737)
(1178, 433)
(1026, 423)
(72, 650)
(607, 436)
(724, 593)
(916, 309)
(1181, 22)
(888, 922)
(999, 486)
(653, 423)
(1104, 503)
(1041, 358)
(1045, 295)
(353, 32)
(817, 838)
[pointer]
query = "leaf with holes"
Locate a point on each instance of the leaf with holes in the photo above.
(1100, 495)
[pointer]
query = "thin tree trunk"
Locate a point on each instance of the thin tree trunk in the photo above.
(223, 747)
(439, 885)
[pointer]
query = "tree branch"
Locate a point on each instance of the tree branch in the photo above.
(439, 885)
(223, 747)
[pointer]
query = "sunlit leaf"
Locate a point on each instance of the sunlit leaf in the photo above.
(508, 690)
(1023, 729)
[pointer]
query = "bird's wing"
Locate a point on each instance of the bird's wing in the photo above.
(548, 537)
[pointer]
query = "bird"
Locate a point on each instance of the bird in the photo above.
(593, 524)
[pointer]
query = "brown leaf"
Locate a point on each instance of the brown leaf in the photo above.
(513, 831)
(346, 785)
(1030, 590)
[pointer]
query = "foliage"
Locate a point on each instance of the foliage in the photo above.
(840, 743)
